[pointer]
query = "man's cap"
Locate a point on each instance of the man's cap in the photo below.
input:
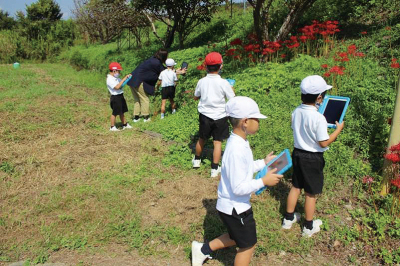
(170, 62)
(314, 85)
(114, 66)
(213, 58)
(243, 107)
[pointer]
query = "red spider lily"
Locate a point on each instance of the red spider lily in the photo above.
(237, 57)
(230, 52)
(236, 41)
(257, 50)
(201, 67)
(249, 47)
(250, 55)
(359, 54)
(338, 70)
(396, 182)
(393, 157)
(395, 148)
(324, 66)
(327, 74)
(282, 55)
(394, 60)
(364, 32)
(268, 51)
(367, 179)
(295, 45)
(395, 65)
(351, 49)
(303, 38)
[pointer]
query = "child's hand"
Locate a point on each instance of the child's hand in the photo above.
(271, 178)
(269, 157)
(339, 126)
(128, 76)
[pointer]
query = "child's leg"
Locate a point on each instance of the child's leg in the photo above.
(309, 206)
(221, 242)
(292, 199)
(122, 117)
(244, 255)
(199, 146)
(112, 120)
(173, 107)
(163, 101)
(217, 151)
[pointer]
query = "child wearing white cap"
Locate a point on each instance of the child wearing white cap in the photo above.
(167, 80)
(237, 184)
(311, 139)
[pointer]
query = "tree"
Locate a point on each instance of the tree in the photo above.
(180, 16)
(6, 22)
(40, 16)
(263, 10)
(104, 20)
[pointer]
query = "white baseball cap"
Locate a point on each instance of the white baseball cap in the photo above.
(243, 107)
(314, 85)
(170, 62)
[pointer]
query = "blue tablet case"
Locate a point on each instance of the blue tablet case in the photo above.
(231, 81)
(126, 81)
(264, 171)
(327, 98)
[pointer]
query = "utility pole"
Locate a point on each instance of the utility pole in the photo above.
(394, 138)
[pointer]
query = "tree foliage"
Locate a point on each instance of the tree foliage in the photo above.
(104, 20)
(180, 16)
(6, 22)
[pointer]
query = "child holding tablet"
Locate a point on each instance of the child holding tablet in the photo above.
(237, 185)
(311, 139)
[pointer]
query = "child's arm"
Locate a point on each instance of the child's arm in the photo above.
(333, 136)
(158, 84)
(118, 86)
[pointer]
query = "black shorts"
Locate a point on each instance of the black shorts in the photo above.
(168, 92)
(218, 129)
(241, 227)
(308, 171)
(118, 104)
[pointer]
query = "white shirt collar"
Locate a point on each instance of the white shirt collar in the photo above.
(309, 107)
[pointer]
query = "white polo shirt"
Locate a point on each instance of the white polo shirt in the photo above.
(309, 127)
(237, 182)
(111, 83)
(168, 78)
(213, 92)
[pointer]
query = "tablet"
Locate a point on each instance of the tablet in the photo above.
(184, 65)
(231, 81)
(334, 108)
(126, 81)
(282, 162)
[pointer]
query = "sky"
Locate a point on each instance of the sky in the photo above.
(12, 6)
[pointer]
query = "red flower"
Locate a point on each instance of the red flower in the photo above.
(351, 49)
(249, 47)
(282, 55)
(393, 157)
(396, 182)
(395, 65)
(395, 148)
(324, 66)
(200, 59)
(303, 38)
(359, 54)
(327, 74)
(295, 45)
(337, 70)
(201, 67)
(230, 52)
(394, 60)
(367, 179)
(236, 41)
(389, 121)
(364, 32)
(268, 51)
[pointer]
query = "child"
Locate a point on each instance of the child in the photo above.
(168, 80)
(117, 100)
(237, 184)
(311, 139)
(212, 91)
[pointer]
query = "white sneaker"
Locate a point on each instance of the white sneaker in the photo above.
(173, 111)
(114, 128)
(197, 256)
(136, 120)
(147, 120)
(215, 172)
(316, 228)
(126, 127)
(287, 224)
(196, 163)
(162, 116)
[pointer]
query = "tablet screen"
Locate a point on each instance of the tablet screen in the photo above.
(334, 110)
(279, 163)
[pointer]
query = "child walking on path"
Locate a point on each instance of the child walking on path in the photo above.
(311, 139)
(237, 184)
(168, 79)
(117, 100)
(212, 91)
